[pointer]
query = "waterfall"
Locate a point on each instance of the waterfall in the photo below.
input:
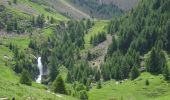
(40, 67)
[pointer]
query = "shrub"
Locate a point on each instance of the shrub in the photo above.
(26, 78)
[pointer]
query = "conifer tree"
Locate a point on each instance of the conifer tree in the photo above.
(134, 73)
(59, 85)
(166, 73)
(26, 78)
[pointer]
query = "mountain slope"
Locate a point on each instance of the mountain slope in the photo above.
(96, 9)
(68, 9)
(31, 8)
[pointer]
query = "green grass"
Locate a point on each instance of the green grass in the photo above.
(10, 87)
(41, 10)
(133, 90)
(100, 26)
(21, 41)
(47, 31)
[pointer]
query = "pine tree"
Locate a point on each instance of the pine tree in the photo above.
(166, 73)
(40, 21)
(112, 47)
(147, 82)
(18, 68)
(59, 85)
(26, 78)
(154, 62)
(52, 20)
(53, 70)
(88, 24)
(97, 75)
(134, 73)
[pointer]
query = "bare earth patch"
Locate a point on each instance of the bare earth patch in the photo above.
(102, 50)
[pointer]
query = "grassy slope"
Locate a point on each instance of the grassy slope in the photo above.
(133, 90)
(9, 81)
(39, 9)
(100, 26)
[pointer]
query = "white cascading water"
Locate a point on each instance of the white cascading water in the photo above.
(40, 67)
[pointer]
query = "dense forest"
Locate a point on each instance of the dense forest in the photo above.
(98, 10)
(144, 30)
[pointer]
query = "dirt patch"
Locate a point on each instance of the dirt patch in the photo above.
(102, 50)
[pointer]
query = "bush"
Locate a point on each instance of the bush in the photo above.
(147, 82)
(134, 73)
(83, 95)
(26, 78)
(99, 85)
(59, 85)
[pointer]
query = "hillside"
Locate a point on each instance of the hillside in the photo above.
(9, 80)
(73, 50)
(33, 8)
(96, 9)
(65, 7)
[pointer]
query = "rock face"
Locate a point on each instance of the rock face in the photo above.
(123, 4)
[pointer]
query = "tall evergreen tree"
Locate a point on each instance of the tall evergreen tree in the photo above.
(134, 73)
(154, 62)
(166, 73)
(26, 78)
(59, 85)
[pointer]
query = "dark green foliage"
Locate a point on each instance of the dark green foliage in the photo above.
(89, 24)
(134, 73)
(166, 73)
(115, 67)
(156, 61)
(9, 3)
(40, 21)
(79, 90)
(147, 82)
(59, 85)
(156, 4)
(168, 35)
(9, 27)
(33, 44)
(25, 78)
(53, 69)
(23, 61)
(33, 23)
(83, 95)
(112, 47)
(11, 22)
(18, 67)
(97, 75)
(99, 10)
(113, 26)
(52, 20)
(63, 49)
(144, 29)
(99, 85)
(97, 39)
(15, 1)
